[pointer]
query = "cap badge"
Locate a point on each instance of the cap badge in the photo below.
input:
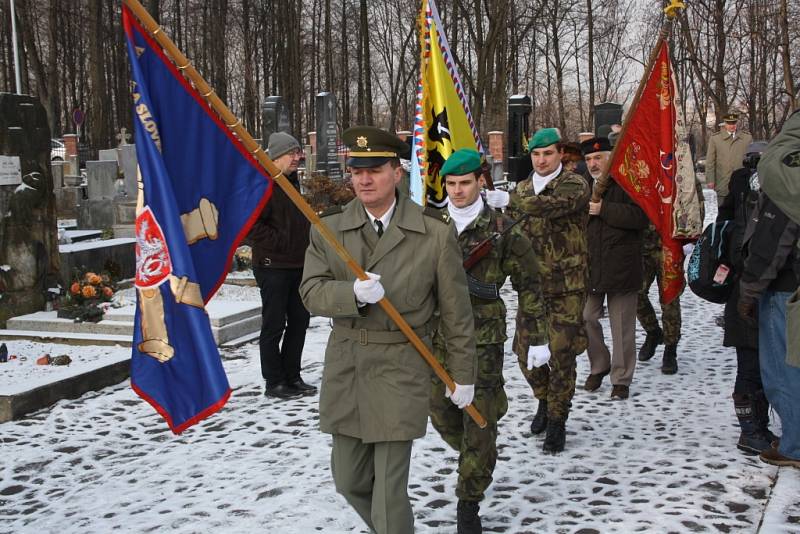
(361, 141)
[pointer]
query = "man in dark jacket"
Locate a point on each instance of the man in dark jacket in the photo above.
(768, 280)
(750, 403)
(279, 239)
(614, 236)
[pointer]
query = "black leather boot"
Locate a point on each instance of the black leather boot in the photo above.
(761, 415)
(653, 340)
(467, 517)
(751, 440)
(669, 364)
(539, 423)
(556, 436)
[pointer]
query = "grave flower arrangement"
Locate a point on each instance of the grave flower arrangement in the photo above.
(85, 296)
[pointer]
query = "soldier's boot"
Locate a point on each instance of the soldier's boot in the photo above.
(467, 519)
(556, 436)
(761, 415)
(539, 423)
(669, 363)
(751, 439)
(653, 340)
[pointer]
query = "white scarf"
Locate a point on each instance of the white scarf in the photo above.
(540, 182)
(463, 216)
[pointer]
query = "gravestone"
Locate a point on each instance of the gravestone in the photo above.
(274, 118)
(327, 152)
(67, 195)
(605, 115)
(97, 210)
(519, 161)
(29, 261)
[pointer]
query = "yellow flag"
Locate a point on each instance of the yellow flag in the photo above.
(443, 122)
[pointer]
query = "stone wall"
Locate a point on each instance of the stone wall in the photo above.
(29, 260)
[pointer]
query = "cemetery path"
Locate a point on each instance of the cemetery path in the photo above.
(663, 461)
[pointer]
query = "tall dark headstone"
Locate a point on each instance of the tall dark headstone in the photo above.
(274, 118)
(29, 260)
(605, 115)
(327, 153)
(519, 161)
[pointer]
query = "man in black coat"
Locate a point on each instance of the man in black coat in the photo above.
(614, 236)
(279, 239)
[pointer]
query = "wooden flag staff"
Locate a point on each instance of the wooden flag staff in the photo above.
(601, 184)
(235, 125)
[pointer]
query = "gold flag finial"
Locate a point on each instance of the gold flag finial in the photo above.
(672, 9)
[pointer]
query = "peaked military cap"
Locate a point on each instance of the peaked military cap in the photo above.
(372, 147)
(462, 161)
(595, 144)
(544, 137)
(730, 117)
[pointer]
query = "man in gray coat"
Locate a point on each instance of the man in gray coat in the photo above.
(726, 150)
(375, 386)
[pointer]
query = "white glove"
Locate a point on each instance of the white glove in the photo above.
(497, 198)
(368, 291)
(462, 396)
(538, 356)
(687, 249)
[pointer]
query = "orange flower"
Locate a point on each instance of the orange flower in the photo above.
(88, 292)
(75, 288)
(93, 279)
(107, 292)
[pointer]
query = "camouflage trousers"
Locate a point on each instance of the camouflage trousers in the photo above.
(477, 446)
(555, 382)
(670, 313)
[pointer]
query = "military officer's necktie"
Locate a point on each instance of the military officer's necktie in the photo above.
(379, 227)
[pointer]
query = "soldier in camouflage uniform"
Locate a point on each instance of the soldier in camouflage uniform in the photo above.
(511, 255)
(557, 202)
(669, 332)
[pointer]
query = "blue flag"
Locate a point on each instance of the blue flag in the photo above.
(202, 191)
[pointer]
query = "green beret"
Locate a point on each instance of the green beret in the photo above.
(462, 161)
(544, 137)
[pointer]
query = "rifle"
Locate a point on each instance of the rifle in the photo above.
(483, 248)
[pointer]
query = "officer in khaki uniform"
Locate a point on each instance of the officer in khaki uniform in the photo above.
(726, 150)
(557, 202)
(375, 388)
(510, 255)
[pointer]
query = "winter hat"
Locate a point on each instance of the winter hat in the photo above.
(281, 143)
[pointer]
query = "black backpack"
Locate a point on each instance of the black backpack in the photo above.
(710, 272)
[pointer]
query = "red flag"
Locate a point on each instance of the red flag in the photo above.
(644, 165)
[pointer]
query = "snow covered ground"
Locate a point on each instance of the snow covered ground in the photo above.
(663, 461)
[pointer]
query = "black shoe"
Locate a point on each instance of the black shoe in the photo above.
(653, 340)
(467, 517)
(303, 388)
(281, 391)
(752, 439)
(669, 363)
(539, 423)
(593, 382)
(556, 436)
(620, 392)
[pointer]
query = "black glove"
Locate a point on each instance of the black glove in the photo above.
(747, 310)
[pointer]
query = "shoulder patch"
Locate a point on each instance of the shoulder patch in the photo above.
(438, 214)
(792, 159)
(333, 210)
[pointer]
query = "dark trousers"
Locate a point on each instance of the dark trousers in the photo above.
(748, 371)
(282, 315)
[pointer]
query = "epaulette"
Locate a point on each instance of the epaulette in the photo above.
(333, 210)
(439, 214)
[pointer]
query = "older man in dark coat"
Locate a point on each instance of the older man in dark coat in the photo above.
(614, 236)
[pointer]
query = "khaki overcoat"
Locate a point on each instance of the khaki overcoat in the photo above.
(375, 385)
(725, 155)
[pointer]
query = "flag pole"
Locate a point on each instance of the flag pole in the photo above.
(235, 125)
(601, 184)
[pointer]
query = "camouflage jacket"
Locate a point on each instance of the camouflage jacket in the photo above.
(511, 256)
(557, 230)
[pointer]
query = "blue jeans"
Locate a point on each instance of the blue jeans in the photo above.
(781, 381)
